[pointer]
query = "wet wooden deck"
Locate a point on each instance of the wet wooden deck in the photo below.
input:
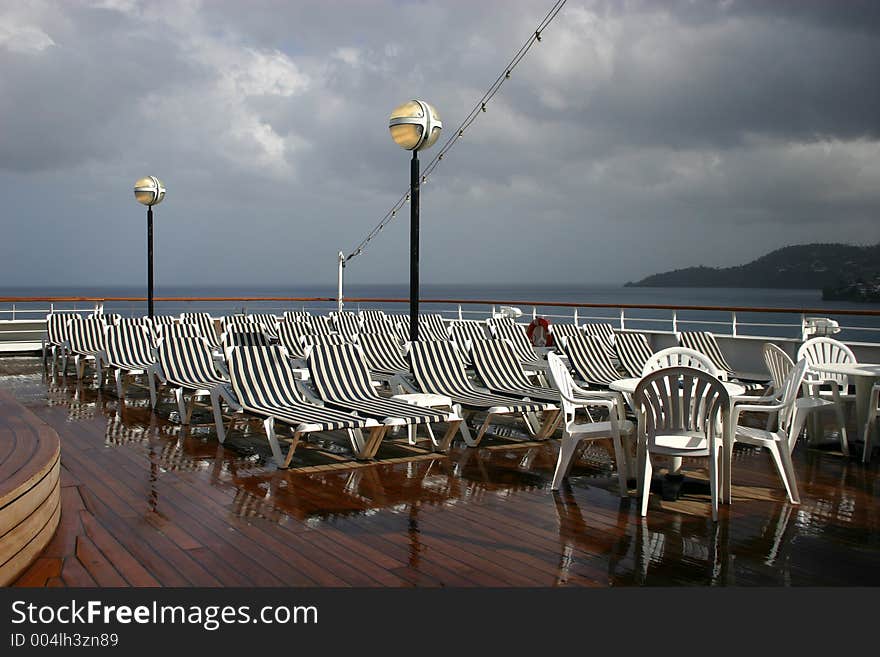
(146, 503)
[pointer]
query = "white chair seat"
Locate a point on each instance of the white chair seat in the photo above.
(590, 429)
(674, 444)
(755, 436)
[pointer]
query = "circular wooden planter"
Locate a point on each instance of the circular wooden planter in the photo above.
(30, 487)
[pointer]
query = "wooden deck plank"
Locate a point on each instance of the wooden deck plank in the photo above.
(170, 507)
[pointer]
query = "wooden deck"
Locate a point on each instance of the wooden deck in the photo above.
(145, 503)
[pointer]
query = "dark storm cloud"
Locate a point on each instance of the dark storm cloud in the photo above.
(635, 137)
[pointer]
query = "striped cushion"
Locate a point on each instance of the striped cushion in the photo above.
(264, 384)
(439, 371)
(506, 329)
(342, 380)
(129, 347)
(346, 323)
(86, 335)
(187, 362)
(588, 356)
(206, 325)
(382, 354)
(633, 351)
(497, 366)
(706, 344)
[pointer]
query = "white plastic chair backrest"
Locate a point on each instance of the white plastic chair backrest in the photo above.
(682, 401)
(563, 382)
(788, 392)
(681, 357)
(827, 350)
(778, 363)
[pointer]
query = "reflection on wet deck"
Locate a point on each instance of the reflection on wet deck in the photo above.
(146, 502)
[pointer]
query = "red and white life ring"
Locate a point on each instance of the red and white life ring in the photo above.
(539, 333)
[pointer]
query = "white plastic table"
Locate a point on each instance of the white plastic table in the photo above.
(423, 400)
(864, 375)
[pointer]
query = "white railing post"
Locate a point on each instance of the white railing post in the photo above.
(13, 312)
(675, 321)
(493, 311)
(575, 316)
(460, 318)
(534, 312)
(803, 325)
(622, 318)
(733, 322)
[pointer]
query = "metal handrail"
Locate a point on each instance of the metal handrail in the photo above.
(480, 302)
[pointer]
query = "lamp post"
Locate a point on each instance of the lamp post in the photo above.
(149, 191)
(414, 126)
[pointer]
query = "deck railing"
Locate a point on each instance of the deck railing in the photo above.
(855, 324)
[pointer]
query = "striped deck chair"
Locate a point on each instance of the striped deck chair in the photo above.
(497, 367)
(559, 331)
(373, 314)
(589, 359)
(633, 351)
(321, 324)
(706, 344)
(317, 339)
(188, 366)
(86, 339)
(110, 319)
(602, 330)
(206, 324)
(297, 315)
(264, 385)
(56, 339)
(463, 333)
(290, 335)
(247, 336)
(380, 324)
(179, 331)
(342, 380)
(384, 358)
(432, 327)
(346, 323)
(129, 353)
(268, 320)
(439, 370)
(159, 321)
(505, 328)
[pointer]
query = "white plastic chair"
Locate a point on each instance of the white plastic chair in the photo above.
(682, 412)
(573, 433)
(873, 414)
(780, 365)
(829, 350)
(682, 357)
(789, 422)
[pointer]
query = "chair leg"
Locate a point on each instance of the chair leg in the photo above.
(120, 388)
(622, 467)
(181, 404)
(567, 449)
(841, 422)
(791, 477)
(269, 426)
(482, 430)
(645, 472)
(443, 445)
(79, 364)
(713, 482)
(796, 428)
(151, 381)
(218, 416)
(727, 473)
(782, 469)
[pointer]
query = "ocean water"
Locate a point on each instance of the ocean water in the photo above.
(528, 297)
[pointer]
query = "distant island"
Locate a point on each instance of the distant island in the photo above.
(843, 272)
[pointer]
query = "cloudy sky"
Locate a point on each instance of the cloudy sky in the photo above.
(636, 137)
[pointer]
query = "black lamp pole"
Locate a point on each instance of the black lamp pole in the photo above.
(414, 248)
(150, 261)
